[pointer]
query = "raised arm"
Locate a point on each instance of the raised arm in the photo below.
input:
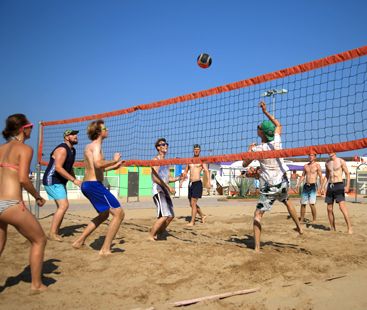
(278, 126)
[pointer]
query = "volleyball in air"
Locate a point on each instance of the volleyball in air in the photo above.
(204, 60)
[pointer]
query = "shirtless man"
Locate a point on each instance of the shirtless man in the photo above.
(335, 189)
(101, 198)
(311, 171)
(196, 185)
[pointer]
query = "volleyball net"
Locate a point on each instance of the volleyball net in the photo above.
(320, 104)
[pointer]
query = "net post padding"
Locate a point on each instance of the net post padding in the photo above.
(327, 61)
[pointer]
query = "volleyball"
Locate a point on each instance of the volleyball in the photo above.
(204, 60)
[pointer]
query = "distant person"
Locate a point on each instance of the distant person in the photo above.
(161, 192)
(294, 181)
(92, 187)
(336, 190)
(15, 159)
(196, 185)
(58, 172)
(311, 171)
(274, 183)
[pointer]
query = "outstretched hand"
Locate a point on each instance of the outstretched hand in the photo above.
(262, 105)
(116, 157)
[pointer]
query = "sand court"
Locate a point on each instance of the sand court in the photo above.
(310, 271)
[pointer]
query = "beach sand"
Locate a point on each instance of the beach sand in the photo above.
(318, 270)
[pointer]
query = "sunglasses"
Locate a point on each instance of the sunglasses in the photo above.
(30, 125)
(104, 128)
(163, 144)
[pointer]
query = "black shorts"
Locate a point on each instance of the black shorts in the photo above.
(335, 191)
(195, 189)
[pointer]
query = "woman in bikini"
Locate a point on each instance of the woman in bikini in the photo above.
(15, 159)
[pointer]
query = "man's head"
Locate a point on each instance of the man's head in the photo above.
(332, 155)
(161, 145)
(96, 129)
(197, 150)
(266, 128)
(71, 136)
(312, 157)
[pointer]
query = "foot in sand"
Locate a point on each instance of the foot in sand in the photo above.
(190, 224)
(54, 237)
(38, 289)
(105, 253)
(203, 219)
(300, 230)
(77, 244)
(152, 238)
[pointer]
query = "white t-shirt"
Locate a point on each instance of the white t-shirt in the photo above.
(272, 169)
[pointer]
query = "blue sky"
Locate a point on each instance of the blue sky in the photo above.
(63, 59)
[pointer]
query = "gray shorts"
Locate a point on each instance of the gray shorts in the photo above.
(270, 193)
(164, 205)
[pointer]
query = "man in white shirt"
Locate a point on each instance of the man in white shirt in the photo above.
(273, 180)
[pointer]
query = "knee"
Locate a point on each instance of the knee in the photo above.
(42, 240)
(330, 208)
(119, 213)
(104, 215)
(63, 206)
(257, 219)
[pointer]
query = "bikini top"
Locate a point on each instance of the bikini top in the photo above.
(6, 165)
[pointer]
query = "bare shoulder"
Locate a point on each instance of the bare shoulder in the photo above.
(25, 148)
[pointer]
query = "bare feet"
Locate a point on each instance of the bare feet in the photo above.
(38, 289)
(350, 231)
(203, 218)
(77, 244)
(105, 253)
(54, 237)
(152, 238)
(190, 224)
(300, 230)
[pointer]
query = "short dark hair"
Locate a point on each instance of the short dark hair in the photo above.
(197, 146)
(159, 141)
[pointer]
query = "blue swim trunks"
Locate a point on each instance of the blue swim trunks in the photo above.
(100, 197)
(308, 194)
(56, 191)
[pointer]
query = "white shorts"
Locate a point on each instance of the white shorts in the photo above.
(270, 193)
(164, 205)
